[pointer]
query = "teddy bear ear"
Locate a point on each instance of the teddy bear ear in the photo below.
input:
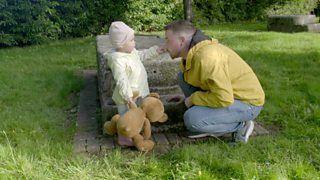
(155, 95)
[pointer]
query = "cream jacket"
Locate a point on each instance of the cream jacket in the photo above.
(129, 73)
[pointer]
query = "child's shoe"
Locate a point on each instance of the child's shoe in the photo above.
(124, 141)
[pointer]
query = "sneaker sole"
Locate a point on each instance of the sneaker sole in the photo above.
(203, 135)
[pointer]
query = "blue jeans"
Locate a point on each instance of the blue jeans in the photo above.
(216, 120)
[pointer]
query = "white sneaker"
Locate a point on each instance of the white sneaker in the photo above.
(244, 132)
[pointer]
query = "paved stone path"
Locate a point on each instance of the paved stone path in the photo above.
(89, 140)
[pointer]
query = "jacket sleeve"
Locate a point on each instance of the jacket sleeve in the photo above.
(216, 78)
(118, 69)
(148, 53)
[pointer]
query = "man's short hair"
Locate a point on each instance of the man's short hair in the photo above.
(181, 27)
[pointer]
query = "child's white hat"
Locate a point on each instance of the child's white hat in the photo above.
(120, 33)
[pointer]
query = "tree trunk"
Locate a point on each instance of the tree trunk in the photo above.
(187, 10)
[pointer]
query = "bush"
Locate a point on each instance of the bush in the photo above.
(214, 11)
(153, 14)
(72, 17)
(25, 22)
(208, 11)
(292, 7)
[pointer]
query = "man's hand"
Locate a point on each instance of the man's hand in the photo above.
(161, 49)
(188, 102)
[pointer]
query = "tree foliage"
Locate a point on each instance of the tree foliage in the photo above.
(25, 22)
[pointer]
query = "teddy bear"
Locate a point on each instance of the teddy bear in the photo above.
(154, 108)
(137, 120)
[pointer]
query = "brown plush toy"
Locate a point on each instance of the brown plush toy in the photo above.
(153, 108)
(138, 119)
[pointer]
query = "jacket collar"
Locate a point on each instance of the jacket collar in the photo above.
(197, 37)
(197, 42)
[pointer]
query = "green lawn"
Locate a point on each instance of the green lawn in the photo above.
(36, 143)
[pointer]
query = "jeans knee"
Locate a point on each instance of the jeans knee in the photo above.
(189, 121)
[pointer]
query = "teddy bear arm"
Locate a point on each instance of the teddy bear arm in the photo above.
(153, 94)
(110, 127)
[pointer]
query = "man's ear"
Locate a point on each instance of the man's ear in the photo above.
(182, 39)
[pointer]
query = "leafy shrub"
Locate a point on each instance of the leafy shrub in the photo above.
(152, 15)
(72, 17)
(214, 11)
(317, 9)
(208, 11)
(27, 22)
(292, 7)
(24, 22)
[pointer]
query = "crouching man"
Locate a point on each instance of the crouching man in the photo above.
(222, 92)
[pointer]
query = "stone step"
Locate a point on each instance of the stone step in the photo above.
(314, 27)
(101, 144)
(87, 124)
(293, 23)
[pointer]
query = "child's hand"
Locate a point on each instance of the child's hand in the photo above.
(161, 49)
(131, 103)
(132, 100)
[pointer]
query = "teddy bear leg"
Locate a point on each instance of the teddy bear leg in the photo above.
(146, 129)
(110, 127)
(141, 144)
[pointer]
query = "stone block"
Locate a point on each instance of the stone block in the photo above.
(314, 27)
(291, 23)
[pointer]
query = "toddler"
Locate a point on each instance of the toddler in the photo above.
(127, 69)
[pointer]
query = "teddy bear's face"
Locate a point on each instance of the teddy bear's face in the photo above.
(131, 123)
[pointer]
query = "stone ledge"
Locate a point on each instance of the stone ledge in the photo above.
(294, 19)
(292, 23)
(314, 27)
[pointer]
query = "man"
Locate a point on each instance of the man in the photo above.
(223, 94)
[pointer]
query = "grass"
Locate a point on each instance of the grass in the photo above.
(35, 83)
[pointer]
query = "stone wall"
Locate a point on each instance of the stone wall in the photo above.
(162, 78)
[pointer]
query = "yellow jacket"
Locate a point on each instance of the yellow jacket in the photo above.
(221, 74)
